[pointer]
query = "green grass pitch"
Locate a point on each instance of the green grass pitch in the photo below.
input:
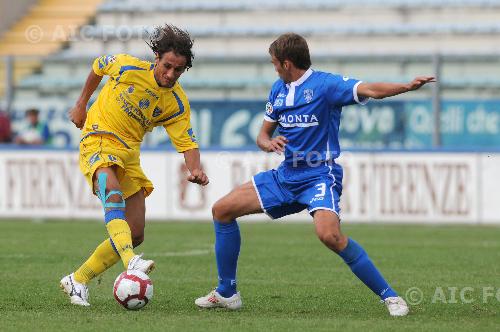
(288, 280)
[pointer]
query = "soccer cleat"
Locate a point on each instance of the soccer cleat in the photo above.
(139, 264)
(77, 292)
(396, 306)
(215, 300)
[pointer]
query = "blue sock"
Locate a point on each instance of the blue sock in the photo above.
(356, 257)
(227, 249)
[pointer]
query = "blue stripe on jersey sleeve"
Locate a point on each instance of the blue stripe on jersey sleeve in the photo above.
(125, 68)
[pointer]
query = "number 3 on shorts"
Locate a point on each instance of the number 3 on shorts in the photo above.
(322, 188)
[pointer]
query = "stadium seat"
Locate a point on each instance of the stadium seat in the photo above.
(233, 37)
(54, 22)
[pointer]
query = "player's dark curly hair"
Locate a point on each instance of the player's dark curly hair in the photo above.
(170, 38)
(292, 47)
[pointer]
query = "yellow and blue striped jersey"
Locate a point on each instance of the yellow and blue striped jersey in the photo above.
(131, 103)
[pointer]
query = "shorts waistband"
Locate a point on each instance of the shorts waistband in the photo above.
(105, 133)
(312, 164)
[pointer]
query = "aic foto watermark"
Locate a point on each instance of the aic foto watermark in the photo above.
(71, 32)
(454, 295)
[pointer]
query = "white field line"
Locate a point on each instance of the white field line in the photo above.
(194, 252)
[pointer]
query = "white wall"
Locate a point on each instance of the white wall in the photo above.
(378, 187)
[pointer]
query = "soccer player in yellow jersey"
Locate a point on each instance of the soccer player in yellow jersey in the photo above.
(138, 96)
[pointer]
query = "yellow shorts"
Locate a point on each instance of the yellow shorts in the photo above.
(98, 151)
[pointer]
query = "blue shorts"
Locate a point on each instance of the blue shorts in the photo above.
(289, 190)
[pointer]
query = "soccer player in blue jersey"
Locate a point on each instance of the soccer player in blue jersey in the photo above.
(305, 105)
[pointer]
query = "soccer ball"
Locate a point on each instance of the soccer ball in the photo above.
(133, 289)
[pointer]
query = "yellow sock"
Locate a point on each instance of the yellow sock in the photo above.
(101, 259)
(119, 231)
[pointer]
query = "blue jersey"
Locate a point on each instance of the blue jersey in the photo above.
(308, 115)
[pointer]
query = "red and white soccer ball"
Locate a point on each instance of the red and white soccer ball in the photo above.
(133, 289)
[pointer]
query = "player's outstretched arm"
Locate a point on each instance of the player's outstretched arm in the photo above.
(193, 164)
(266, 142)
(78, 113)
(381, 90)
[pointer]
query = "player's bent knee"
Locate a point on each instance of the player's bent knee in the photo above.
(117, 197)
(111, 198)
(333, 240)
(221, 211)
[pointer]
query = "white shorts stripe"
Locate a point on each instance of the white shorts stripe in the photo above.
(260, 199)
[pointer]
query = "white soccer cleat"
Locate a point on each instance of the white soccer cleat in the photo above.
(139, 264)
(215, 300)
(396, 306)
(77, 292)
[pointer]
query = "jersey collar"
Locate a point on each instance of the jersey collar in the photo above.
(302, 79)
